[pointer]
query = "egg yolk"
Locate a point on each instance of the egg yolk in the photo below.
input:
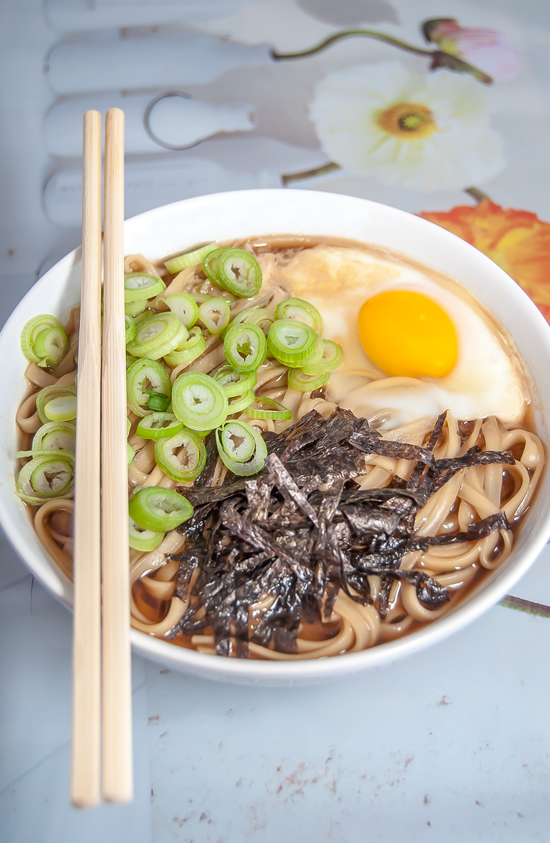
(406, 334)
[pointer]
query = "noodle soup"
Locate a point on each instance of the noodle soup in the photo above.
(452, 454)
(321, 219)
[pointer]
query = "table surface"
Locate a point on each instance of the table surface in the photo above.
(451, 744)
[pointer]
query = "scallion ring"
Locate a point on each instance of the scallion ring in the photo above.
(302, 311)
(236, 439)
(290, 341)
(182, 456)
(316, 355)
(140, 285)
(215, 314)
(159, 509)
(263, 318)
(130, 454)
(240, 402)
(243, 316)
(142, 375)
(130, 328)
(134, 308)
(235, 383)
(193, 347)
(235, 270)
(142, 539)
(331, 359)
(297, 379)
(158, 426)
(50, 474)
(175, 265)
(44, 341)
(55, 436)
(157, 335)
(199, 401)
(158, 401)
(245, 347)
(267, 408)
(64, 408)
(184, 307)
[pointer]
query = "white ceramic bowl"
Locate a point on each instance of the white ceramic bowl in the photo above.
(176, 227)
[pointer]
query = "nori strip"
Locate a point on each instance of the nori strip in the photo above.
(420, 467)
(386, 448)
(302, 529)
(443, 470)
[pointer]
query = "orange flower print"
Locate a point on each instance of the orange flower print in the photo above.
(516, 240)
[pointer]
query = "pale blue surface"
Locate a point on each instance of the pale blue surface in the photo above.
(452, 742)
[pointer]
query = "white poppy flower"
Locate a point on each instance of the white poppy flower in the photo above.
(424, 133)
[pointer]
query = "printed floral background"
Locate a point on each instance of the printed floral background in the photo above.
(431, 109)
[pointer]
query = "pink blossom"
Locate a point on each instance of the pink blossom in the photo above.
(487, 49)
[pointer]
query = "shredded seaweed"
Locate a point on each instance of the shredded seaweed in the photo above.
(264, 553)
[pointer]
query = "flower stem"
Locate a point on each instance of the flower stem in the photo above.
(476, 194)
(351, 33)
(309, 174)
(528, 606)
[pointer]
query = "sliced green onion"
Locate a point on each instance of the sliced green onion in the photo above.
(267, 408)
(159, 509)
(243, 316)
(142, 375)
(158, 426)
(61, 409)
(184, 307)
(235, 383)
(189, 258)
(55, 436)
(237, 440)
(44, 341)
(128, 427)
(141, 539)
(158, 401)
(245, 347)
(215, 314)
(199, 401)
(140, 285)
(241, 448)
(48, 475)
(134, 308)
(306, 383)
(290, 341)
(240, 402)
(302, 311)
(130, 454)
(157, 335)
(263, 318)
(64, 411)
(187, 351)
(235, 270)
(130, 328)
(129, 360)
(181, 457)
(331, 359)
(316, 355)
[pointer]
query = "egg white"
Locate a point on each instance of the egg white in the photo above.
(486, 380)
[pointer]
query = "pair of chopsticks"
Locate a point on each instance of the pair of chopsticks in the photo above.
(102, 696)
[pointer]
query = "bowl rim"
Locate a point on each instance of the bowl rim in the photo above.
(306, 671)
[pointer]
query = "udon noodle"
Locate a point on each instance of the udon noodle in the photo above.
(473, 493)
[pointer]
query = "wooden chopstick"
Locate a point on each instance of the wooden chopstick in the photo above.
(85, 777)
(117, 690)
